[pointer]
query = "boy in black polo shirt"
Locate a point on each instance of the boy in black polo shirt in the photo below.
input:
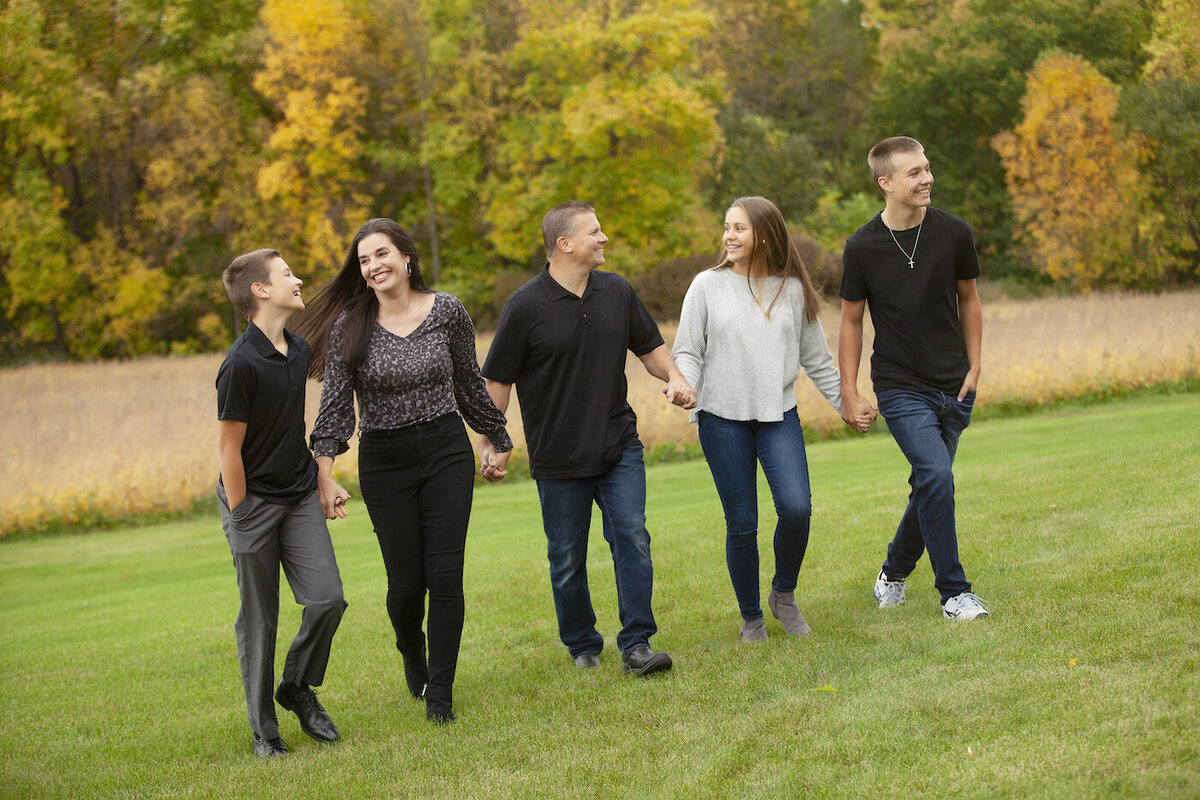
(269, 506)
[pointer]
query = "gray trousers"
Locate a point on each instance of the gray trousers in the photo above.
(262, 537)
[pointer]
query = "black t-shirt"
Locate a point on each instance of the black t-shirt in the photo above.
(918, 335)
(260, 387)
(566, 355)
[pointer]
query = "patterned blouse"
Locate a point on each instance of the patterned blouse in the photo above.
(407, 379)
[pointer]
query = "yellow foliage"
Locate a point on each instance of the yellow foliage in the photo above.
(316, 191)
(1073, 178)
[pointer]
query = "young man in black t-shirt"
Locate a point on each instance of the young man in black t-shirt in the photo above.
(269, 506)
(562, 339)
(916, 267)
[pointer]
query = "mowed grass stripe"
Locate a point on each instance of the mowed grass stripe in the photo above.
(1078, 528)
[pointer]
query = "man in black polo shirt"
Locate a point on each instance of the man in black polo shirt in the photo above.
(916, 266)
(269, 506)
(562, 339)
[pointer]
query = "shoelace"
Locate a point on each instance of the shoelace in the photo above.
(309, 700)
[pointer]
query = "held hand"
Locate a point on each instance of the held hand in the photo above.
(333, 498)
(497, 470)
(680, 393)
(858, 413)
(491, 463)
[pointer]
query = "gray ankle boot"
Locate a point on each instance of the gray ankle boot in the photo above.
(754, 630)
(783, 606)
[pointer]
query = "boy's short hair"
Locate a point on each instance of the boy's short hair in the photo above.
(880, 157)
(557, 222)
(242, 273)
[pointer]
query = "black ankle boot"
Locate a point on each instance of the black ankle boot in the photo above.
(438, 702)
(416, 673)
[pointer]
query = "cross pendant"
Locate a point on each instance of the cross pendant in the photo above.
(911, 265)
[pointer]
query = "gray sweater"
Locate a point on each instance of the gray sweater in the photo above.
(743, 365)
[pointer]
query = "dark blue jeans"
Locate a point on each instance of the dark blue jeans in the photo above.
(567, 516)
(926, 426)
(734, 449)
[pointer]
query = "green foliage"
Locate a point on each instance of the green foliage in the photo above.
(1165, 108)
(612, 105)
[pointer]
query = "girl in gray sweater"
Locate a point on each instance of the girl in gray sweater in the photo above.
(747, 327)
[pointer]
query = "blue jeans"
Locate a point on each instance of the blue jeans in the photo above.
(926, 426)
(733, 450)
(567, 516)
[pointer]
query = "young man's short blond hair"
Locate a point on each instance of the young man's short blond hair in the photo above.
(242, 273)
(880, 157)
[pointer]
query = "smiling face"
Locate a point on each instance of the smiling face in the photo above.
(910, 182)
(282, 287)
(383, 266)
(739, 237)
(586, 243)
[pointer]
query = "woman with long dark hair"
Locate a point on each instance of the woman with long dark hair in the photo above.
(380, 334)
(747, 327)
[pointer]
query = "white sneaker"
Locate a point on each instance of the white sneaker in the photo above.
(965, 606)
(888, 593)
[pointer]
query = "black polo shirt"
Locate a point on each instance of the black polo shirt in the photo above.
(919, 341)
(260, 387)
(566, 355)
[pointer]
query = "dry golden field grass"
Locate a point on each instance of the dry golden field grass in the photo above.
(89, 441)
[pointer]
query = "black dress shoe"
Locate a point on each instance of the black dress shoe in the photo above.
(416, 673)
(641, 660)
(303, 701)
(266, 748)
(587, 660)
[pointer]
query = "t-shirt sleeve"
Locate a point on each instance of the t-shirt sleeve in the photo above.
(967, 263)
(235, 388)
(644, 335)
(853, 286)
(507, 353)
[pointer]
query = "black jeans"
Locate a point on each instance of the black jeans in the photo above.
(417, 483)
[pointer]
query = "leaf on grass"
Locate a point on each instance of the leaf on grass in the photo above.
(825, 688)
(1072, 662)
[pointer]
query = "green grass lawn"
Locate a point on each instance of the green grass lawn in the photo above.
(1078, 527)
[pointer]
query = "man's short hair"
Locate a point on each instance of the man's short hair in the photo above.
(559, 222)
(242, 273)
(880, 157)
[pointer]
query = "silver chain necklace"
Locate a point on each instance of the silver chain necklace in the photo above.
(911, 264)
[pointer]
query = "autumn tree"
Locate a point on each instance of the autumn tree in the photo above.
(313, 188)
(1073, 179)
(798, 75)
(613, 103)
(435, 108)
(1166, 110)
(960, 80)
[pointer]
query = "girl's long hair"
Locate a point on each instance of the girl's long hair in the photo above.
(350, 293)
(774, 248)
